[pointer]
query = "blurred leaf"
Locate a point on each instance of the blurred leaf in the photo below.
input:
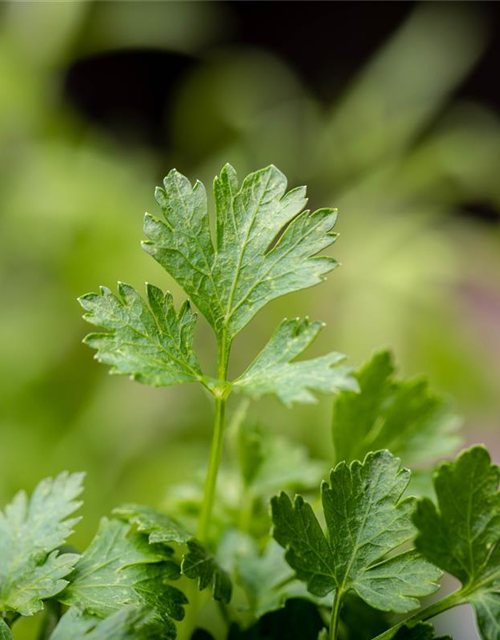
(404, 417)
(128, 623)
(422, 631)
(31, 530)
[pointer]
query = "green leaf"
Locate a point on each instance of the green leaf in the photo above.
(422, 631)
(461, 535)
(31, 530)
(149, 342)
(265, 243)
(128, 623)
(402, 416)
(197, 563)
(268, 462)
(5, 633)
(366, 519)
(275, 371)
(120, 568)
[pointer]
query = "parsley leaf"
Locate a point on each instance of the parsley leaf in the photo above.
(149, 342)
(31, 531)
(265, 245)
(422, 631)
(197, 563)
(366, 519)
(461, 535)
(402, 416)
(5, 633)
(274, 370)
(120, 568)
(128, 623)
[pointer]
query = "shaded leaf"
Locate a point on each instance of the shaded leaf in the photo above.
(31, 530)
(421, 631)
(150, 342)
(461, 535)
(197, 564)
(5, 633)
(275, 370)
(366, 519)
(402, 416)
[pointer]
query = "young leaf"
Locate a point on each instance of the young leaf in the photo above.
(128, 623)
(275, 371)
(148, 342)
(265, 247)
(404, 417)
(120, 568)
(197, 563)
(31, 531)
(366, 519)
(462, 534)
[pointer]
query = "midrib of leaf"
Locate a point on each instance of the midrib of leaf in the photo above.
(357, 538)
(279, 259)
(242, 253)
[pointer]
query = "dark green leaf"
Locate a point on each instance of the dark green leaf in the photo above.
(366, 519)
(402, 416)
(31, 530)
(5, 633)
(150, 342)
(265, 244)
(422, 631)
(197, 564)
(121, 568)
(462, 534)
(275, 370)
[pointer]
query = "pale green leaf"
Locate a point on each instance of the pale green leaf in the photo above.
(266, 243)
(150, 342)
(31, 531)
(128, 623)
(197, 563)
(366, 518)
(276, 371)
(402, 416)
(121, 568)
(461, 535)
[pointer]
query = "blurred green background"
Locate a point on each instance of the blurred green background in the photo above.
(388, 111)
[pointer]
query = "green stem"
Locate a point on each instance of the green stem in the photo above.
(220, 394)
(213, 469)
(450, 601)
(335, 617)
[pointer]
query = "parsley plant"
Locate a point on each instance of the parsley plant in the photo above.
(338, 567)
